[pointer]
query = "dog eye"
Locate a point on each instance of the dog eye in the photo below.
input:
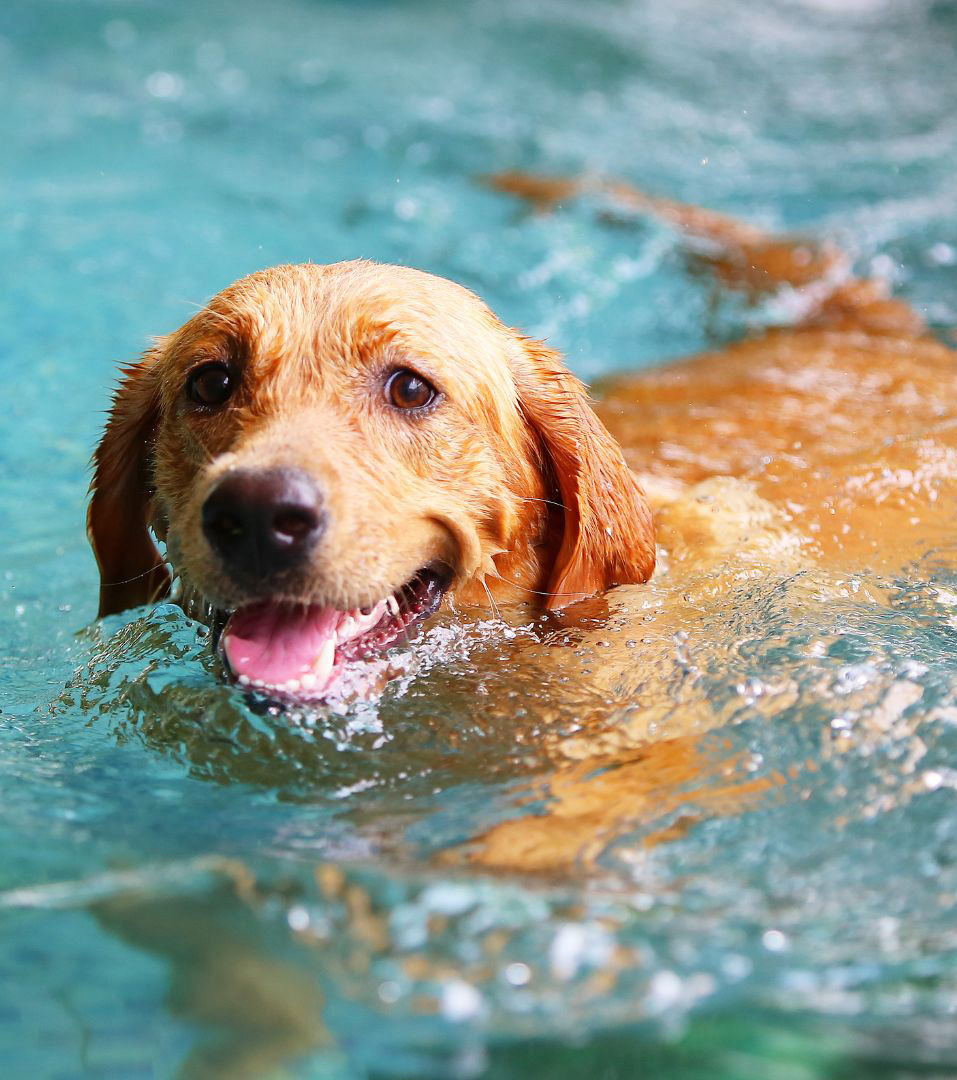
(406, 390)
(209, 385)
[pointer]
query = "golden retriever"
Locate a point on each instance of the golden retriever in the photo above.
(329, 453)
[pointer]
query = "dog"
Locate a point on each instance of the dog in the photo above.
(369, 443)
(331, 453)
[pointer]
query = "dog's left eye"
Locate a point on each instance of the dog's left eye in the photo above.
(407, 390)
(209, 385)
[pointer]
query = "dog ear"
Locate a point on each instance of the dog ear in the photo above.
(608, 535)
(131, 569)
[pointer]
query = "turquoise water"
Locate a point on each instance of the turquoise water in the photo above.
(162, 909)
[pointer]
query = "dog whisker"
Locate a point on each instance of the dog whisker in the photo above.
(491, 599)
(534, 592)
(135, 577)
(547, 502)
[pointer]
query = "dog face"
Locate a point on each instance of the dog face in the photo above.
(327, 451)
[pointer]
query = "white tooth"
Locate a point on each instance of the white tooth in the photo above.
(258, 682)
(393, 605)
(244, 680)
(346, 627)
(292, 685)
(308, 681)
(322, 665)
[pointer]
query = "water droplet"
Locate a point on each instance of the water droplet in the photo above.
(518, 974)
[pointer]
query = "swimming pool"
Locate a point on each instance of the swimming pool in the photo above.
(189, 885)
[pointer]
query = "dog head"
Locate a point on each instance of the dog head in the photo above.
(327, 451)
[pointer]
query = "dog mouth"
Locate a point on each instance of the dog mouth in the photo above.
(296, 651)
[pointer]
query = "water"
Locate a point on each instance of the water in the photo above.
(494, 871)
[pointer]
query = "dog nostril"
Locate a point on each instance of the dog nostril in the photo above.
(294, 524)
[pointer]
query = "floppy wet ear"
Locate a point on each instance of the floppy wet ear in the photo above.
(131, 569)
(608, 535)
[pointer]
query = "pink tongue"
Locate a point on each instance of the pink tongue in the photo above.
(275, 643)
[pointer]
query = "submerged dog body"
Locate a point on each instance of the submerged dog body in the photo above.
(326, 451)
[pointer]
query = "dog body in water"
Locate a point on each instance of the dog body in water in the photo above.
(330, 453)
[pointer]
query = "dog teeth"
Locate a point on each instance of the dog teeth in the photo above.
(243, 680)
(393, 605)
(290, 686)
(322, 665)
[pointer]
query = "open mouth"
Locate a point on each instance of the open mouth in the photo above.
(288, 650)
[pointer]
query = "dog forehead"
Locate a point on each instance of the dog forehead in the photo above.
(353, 312)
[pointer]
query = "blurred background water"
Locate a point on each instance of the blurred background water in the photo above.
(190, 887)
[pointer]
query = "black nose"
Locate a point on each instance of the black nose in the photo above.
(261, 522)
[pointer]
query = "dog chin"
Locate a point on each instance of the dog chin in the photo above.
(294, 653)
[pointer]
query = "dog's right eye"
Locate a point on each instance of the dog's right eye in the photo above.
(209, 385)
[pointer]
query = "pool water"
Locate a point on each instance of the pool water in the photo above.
(192, 887)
